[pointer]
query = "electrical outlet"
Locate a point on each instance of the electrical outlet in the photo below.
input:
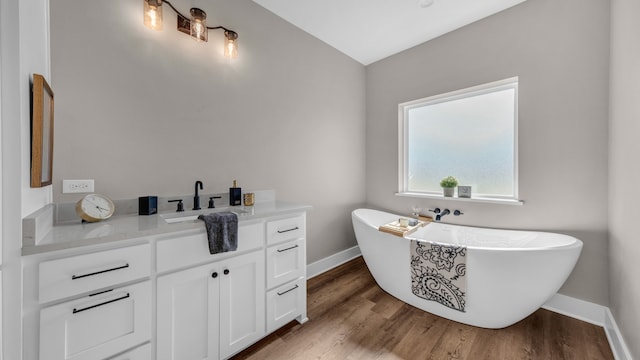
(77, 186)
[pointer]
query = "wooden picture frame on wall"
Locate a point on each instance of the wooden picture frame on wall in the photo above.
(41, 133)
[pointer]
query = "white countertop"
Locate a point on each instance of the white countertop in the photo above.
(77, 234)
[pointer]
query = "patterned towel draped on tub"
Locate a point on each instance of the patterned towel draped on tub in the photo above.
(438, 273)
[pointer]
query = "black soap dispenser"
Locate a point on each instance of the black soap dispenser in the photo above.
(235, 194)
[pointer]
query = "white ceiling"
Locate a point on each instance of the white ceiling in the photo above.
(370, 30)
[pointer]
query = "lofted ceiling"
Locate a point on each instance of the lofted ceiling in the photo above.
(370, 30)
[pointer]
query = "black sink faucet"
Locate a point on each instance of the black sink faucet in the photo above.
(196, 197)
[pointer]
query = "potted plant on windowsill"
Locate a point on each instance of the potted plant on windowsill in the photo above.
(448, 185)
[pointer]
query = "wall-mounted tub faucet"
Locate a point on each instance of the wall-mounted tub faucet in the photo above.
(196, 197)
(442, 214)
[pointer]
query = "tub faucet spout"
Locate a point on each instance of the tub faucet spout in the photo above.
(442, 214)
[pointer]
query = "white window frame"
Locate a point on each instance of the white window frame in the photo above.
(403, 111)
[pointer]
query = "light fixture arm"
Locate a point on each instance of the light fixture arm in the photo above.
(186, 17)
(219, 27)
(173, 7)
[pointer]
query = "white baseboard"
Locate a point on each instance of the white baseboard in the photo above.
(616, 341)
(328, 263)
(575, 308)
(595, 314)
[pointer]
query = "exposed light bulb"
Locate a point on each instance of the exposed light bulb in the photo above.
(199, 25)
(198, 29)
(153, 14)
(230, 44)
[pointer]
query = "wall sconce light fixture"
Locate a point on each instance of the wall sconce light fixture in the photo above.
(195, 25)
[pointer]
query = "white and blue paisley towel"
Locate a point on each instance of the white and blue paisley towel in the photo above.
(438, 273)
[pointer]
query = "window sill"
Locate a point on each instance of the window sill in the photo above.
(455, 198)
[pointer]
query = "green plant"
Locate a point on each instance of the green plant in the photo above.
(449, 182)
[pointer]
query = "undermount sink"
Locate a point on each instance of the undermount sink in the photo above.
(193, 215)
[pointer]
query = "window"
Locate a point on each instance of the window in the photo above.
(470, 134)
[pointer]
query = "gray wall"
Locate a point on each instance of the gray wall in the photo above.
(624, 247)
(560, 51)
(146, 112)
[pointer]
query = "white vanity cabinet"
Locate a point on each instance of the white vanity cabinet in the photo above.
(164, 296)
(215, 310)
(211, 311)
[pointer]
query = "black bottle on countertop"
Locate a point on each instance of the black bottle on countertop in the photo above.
(235, 194)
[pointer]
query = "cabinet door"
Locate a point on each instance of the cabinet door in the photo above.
(187, 308)
(242, 302)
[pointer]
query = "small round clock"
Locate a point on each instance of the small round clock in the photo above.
(95, 207)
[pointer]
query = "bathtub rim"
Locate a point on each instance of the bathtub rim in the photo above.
(576, 242)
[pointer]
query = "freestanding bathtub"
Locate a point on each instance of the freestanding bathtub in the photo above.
(509, 274)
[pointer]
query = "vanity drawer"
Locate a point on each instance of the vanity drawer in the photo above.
(285, 262)
(97, 326)
(85, 273)
(285, 229)
(190, 248)
(286, 303)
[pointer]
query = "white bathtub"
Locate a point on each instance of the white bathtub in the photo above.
(510, 274)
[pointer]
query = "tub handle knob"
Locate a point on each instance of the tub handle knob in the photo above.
(435, 211)
(457, 213)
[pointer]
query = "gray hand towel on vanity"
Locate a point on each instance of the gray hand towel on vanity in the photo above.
(222, 231)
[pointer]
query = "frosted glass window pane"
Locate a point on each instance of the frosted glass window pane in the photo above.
(471, 137)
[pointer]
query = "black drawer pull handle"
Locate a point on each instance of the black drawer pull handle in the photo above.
(73, 277)
(284, 231)
(226, 271)
(293, 288)
(287, 249)
(75, 311)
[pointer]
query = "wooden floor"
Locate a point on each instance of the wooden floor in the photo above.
(352, 318)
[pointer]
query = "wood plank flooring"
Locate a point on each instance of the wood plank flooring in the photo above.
(352, 318)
